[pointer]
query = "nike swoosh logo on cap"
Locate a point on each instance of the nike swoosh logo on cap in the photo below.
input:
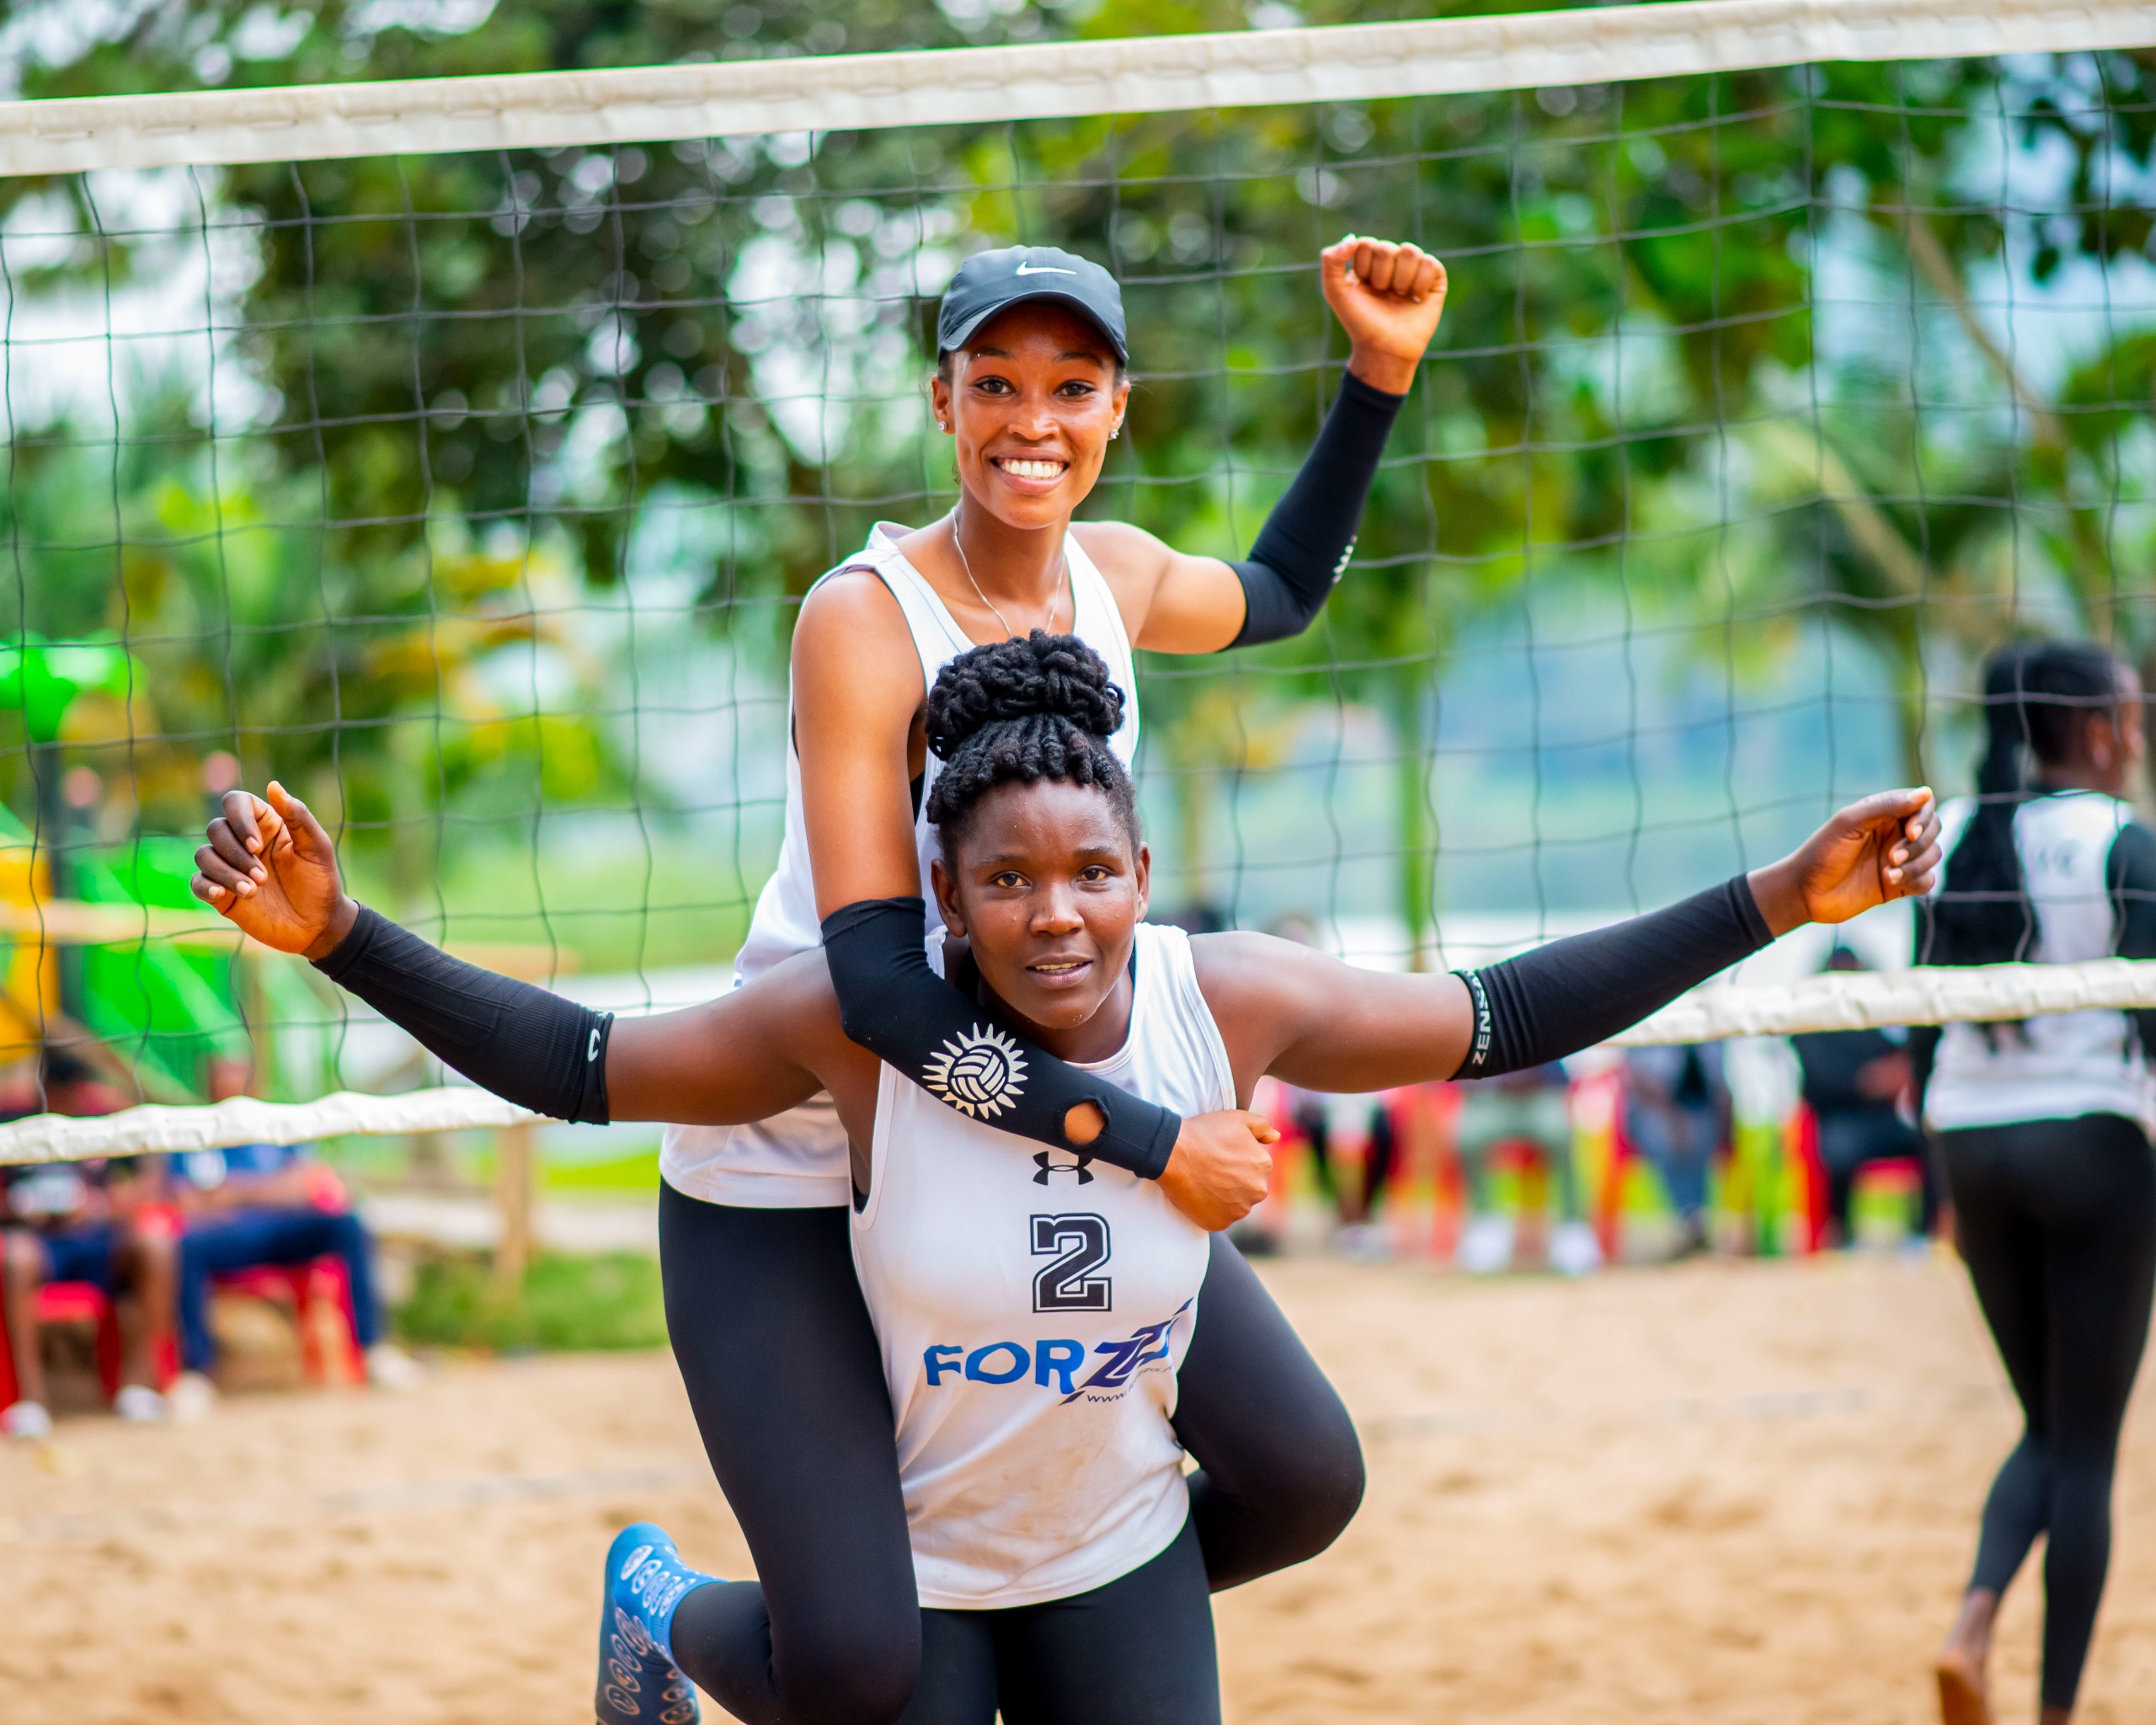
(1043, 270)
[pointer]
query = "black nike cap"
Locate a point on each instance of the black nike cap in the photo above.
(989, 282)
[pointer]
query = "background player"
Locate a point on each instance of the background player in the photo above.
(2039, 1125)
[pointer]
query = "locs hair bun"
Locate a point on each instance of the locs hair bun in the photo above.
(1043, 675)
(1018, 713)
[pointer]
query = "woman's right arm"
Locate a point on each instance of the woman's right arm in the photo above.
(271, 870)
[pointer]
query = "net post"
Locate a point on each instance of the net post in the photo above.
(513, 1178)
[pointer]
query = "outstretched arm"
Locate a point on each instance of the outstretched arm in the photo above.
(1389, 298)
(270, 869)
(1324, 1025)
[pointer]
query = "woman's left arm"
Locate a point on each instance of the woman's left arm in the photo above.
(1389, 298)
(1315, 1022)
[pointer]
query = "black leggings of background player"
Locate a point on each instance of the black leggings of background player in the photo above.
(786, 1384)
(2057, 1219)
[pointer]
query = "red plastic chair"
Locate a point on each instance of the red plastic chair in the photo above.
(1801, 1142)
(308, 1290)
(1609, 1201)
(83, 1303)
(1802, 1135)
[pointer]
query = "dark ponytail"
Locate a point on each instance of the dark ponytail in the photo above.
(2036, 697)
(1018, 712)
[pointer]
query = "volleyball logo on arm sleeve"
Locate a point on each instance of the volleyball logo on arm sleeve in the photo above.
(979, 1072)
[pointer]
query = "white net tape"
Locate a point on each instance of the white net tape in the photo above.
(1863, 1001)
(51, 1137)
(963, 86)
(1841, 1000)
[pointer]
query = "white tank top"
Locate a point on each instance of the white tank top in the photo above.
(1033, 1308)
(2060, 1064)
(798, 1159)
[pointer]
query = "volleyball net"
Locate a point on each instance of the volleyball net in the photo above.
(458, 450)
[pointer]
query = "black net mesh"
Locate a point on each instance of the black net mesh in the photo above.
(473, 496)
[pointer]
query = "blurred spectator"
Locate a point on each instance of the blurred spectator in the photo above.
(1341, 1131)
(257, 1204)
(1854, 1083)
(1334, 1126)
(88, 1222)
(1677, 1115)
(63, 1082)
(1531, 1108)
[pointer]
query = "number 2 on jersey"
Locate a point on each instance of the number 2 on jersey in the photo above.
(1069, 1284)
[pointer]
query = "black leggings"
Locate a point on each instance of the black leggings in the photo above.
(2057, 1219)
(786, 1384)
(1138, 1651)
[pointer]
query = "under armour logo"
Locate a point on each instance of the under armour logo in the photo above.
(1045, 1161)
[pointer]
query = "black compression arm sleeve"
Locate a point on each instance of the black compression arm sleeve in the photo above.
(1574, 993)
(1307, 540)
(524, 1044)
(897, 1007)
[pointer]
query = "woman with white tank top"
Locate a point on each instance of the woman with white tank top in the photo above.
(2042, 1126)
(1035, 1310)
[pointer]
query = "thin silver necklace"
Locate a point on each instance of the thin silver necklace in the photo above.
(1063, 579)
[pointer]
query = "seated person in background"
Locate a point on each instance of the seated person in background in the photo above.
(1853, 1081)
(1333, 1124)
(81, 1222)
(1531, 1107)
(258, 1204)
(63, 1083)
(1676, 1115)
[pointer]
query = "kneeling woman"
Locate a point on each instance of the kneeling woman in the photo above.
(1032, 1309)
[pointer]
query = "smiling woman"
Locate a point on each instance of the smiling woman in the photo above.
(1032, 386)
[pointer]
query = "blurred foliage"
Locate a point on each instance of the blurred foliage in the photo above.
(477, 364)
(567, 1303)
(359, 679)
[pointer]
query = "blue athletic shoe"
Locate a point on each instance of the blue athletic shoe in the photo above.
(639, 1682)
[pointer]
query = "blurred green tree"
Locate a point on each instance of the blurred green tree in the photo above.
(1632, 384)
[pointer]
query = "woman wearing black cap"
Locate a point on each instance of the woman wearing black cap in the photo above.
(767, 1321)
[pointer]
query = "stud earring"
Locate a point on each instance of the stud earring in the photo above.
(1116, 431)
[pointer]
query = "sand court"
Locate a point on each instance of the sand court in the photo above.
(1733, 1491)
